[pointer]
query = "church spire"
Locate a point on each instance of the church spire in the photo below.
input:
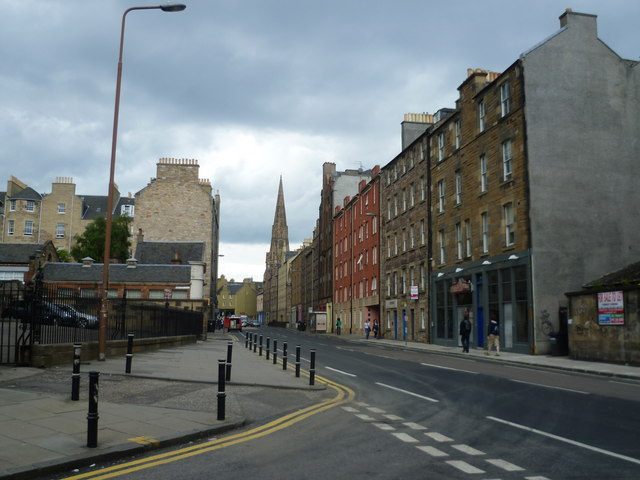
(279, 233)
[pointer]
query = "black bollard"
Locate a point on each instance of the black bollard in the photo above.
(92, 416)
(284, 356)
(75, 376)
(255, 342)
(297, 360)
(127, 368)
(246, 339)
(229, 349)
(268, 341)
(221, 394)
(275, 351)
(260, 349)
(312, 368)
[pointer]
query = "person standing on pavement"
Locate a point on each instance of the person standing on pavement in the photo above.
(494, 336)
(376, 329)
(367, 329)
(465, 331)
(338, 326)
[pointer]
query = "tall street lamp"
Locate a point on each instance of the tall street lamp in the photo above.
(102, 332)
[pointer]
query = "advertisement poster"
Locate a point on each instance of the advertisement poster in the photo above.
(610, 308)
(414, 292)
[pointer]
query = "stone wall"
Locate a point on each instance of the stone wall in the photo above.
(44, 356)
(604, 343)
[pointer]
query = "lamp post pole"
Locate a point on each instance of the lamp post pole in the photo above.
(102, 330)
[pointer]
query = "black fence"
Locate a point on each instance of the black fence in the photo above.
(37, 314)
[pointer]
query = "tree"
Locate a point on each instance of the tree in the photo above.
(63, 255)
(91, 242)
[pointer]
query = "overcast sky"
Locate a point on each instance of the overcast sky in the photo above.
(252, 89)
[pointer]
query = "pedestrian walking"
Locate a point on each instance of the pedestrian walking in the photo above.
(465, 331)
(338, 326)
(494, 336)
(367, 329)
(376, 329)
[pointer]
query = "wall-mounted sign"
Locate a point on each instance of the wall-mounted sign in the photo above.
(611, 308)
(461, 286)
(414, 292)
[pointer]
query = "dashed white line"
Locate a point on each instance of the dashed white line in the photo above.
(566, 440)
(464, 466)
(365, 417)
(407, 392)
(448, 368)
(438, 437)
(393, 418)
(414, 426)
(350, 409)
(537, 477)
(375, 409)
(467, 449)
(433, 451)
(509, 467)
(405, 437)
(551, 386)
(341, 372)
(383, 426)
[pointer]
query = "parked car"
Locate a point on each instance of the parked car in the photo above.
(16, 309)
(49, 312)
(78, 318)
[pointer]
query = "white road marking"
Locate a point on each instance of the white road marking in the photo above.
(467, 449)
(566, 440)
(433, 451)
(447, 368)
(438, 437)
(362, 404)
(375, 409)
(536, 478)
(384, 426)
(464, 466)
(394, 418)
(509, 467)
(414, 426)
(408, 392)
(550, 386)
(365, 417)
(350, 409)
(629, 384)
(405, 437)
(340, 371)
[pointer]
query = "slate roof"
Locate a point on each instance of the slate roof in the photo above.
(165, 252)
(93, 206)
(629, 275)
(18, 252)
(27, 194)
(118, 273)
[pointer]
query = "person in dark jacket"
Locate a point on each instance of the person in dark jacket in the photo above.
(465, 331)
(494, 336)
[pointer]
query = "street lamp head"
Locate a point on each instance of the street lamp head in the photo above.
(173, 7)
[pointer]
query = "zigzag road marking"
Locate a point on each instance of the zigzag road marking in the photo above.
(343, 395)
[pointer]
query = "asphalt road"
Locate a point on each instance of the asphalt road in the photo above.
(425, 415)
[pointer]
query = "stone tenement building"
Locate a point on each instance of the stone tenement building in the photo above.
(31, 217)
(534, 187)
(335, 187)
(356, 246)
(404, 240)
(178, 206)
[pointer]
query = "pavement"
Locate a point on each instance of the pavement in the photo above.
(170, 398)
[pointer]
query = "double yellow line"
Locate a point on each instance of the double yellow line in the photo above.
(343, 395)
